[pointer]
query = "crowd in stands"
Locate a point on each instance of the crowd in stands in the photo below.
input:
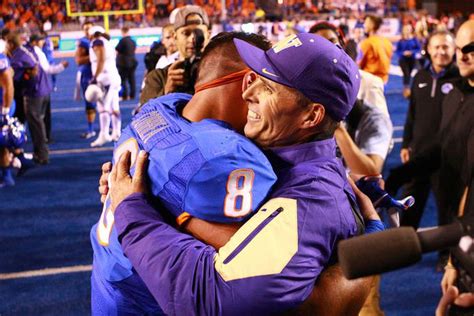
(52, 14)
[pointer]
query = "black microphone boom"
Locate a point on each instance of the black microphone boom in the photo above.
(379, 252)
(396, 248)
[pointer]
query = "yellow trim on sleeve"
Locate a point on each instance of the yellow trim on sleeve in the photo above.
(269, 251)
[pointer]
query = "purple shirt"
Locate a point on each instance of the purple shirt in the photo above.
(24, 58)
(270, 264)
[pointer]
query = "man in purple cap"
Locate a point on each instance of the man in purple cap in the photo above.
(299, 91)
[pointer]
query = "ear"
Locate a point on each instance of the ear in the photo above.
(314, 115)
(249, 78)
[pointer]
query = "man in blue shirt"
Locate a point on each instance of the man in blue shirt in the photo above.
(7, 107)
(84, 75)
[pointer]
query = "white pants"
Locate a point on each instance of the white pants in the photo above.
(110, 102)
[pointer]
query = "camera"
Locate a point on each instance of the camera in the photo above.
(463, 261)
(191, 64)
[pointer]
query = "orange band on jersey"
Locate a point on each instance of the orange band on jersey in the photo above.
(181, 219)
(233, 77)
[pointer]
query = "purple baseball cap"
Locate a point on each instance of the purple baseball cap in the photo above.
(311, 64)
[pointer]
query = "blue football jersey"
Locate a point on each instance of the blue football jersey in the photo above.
(202, 169)
(85, 69)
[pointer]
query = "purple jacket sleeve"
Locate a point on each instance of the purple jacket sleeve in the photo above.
(170, 260)
(187, 277)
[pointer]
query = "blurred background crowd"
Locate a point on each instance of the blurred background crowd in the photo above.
(52, 14)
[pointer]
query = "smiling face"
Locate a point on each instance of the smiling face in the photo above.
(276, 115)
(441, 50)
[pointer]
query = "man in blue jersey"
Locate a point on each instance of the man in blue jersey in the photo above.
(6, 99)
(191, 161)
(84, 75)
(13, 134)
(271, 263)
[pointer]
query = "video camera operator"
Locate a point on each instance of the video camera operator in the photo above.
(192, 33)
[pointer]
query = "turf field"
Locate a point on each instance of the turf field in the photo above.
(45, 255)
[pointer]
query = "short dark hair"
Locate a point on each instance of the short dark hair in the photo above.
(125, 29)
(228, 37)
(221, 47)
(377, 21)
(87, 23)
(321, 26)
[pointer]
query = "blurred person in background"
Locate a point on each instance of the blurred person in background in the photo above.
(371, 90)
(455, 290)
(353, 39)
(157, 49)
(38, 41)
(6, 102)
(364, 139)
(169, 43)
(376, 50)
(36, 93)
(164, 52)
(8, 106)
(407, 49)
(48, 49)
(127, 64)
(106, 76)
(430, 86)
(448, 148)
(172, 78)
(84, 75)
(17, 79)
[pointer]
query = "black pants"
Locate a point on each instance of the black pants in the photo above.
(47, 120)
(127, 74)
(420, 189)
(35, 110)
(20, 109)
(407, 64)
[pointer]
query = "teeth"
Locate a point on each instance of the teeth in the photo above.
(253, 114)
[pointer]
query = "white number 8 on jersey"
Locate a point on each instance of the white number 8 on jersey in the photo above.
(239, 188)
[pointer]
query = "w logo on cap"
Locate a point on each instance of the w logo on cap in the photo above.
(290, 41)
